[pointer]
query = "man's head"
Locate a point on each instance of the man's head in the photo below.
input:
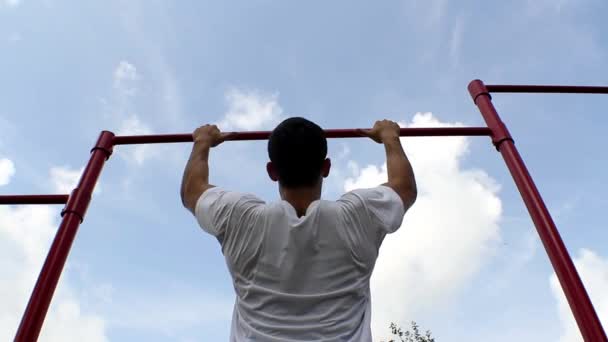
(297, 149)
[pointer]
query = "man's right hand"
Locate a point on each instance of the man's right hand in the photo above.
(210, 135)
(382, 131)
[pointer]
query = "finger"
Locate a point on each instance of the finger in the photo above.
(199, 129)
(224, 136)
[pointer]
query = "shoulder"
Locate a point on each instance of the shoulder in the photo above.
(218, 210)
(220, 196)
(381, 193)
(380, 206)
(221, 202)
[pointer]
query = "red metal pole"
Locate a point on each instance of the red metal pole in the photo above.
(73, 214)
(578, 299)
(329, 133)
(33, 199)
(509, 88)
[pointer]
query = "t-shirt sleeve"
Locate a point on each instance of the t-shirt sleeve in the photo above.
(379, 209)
(220, 212)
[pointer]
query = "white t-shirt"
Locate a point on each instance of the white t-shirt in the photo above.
(301, 279)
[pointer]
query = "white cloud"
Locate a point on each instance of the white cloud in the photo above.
(250, 110)
(512, 259)
(445, 236)
(64, 179)
(125, 78)
(593, 269)
(25, 236)
(139, 153)
(7, 170)
(133, 126)
(344, 151)
(132, 16)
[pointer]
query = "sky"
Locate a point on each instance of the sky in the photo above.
(467, 262)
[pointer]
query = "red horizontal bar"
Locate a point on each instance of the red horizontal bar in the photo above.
(34, 199)
(502, 88)
(329, 133)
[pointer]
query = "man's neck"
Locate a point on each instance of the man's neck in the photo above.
(300, 198)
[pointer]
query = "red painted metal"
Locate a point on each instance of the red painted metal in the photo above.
(33, 199)
(504, 88)
(580, 304)
(330, 133)
(73, 213)
(77, 203)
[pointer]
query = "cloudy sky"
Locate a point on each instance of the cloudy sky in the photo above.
(467, 262)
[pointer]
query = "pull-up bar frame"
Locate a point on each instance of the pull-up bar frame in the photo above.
(77, 202)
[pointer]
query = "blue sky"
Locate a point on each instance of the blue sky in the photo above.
(467, 263)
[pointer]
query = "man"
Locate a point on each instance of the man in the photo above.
(301, 266)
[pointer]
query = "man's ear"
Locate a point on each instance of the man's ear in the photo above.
(326, 167)
(272, 172)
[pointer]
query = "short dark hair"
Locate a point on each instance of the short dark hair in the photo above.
(297, 148)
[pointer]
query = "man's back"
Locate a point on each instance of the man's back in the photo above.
(301, 278)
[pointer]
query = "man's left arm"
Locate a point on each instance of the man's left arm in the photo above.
(195, 180)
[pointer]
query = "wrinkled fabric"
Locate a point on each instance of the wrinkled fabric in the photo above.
(301, 278)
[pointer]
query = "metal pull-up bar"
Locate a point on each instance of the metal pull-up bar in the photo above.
(329, 133)
(241, 136)
(77, 202)
(76, 205)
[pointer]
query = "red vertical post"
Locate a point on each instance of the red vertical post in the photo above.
(578, 299)
(73, 215)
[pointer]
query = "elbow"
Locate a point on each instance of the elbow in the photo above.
(188, 201)
(183, 200)
(407, 192)
(181, 194)
(409, 197)
(184, 195)
(414, 195)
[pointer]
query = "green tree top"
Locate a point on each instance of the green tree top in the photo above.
(412, 335)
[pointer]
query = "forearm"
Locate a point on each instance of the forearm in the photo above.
(196, 175)
(400, 172)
